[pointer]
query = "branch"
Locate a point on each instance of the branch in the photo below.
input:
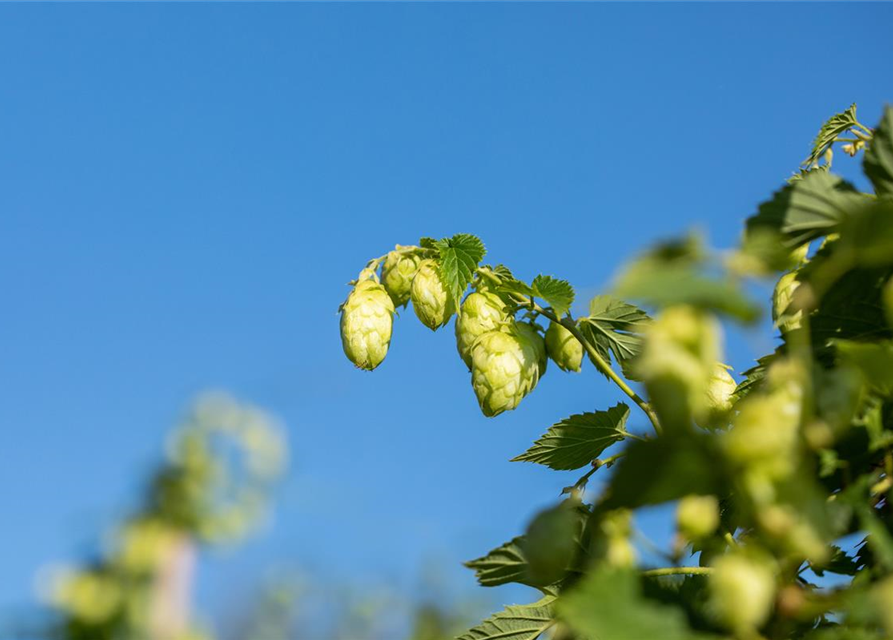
(677, 571)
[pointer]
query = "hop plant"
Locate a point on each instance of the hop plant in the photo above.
(431, 300)
(697, 516)
(506, 366)
(480, 313)
(367, 318)
(564, 349)
(397, 272)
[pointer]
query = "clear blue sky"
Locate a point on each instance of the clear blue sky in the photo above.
(186, 189)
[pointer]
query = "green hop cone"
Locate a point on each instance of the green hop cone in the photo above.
(697, 516)
(564, 349)
(397, 273)
(480, 313)
(742, 592)
(786, 320)
(367, 318)
(720, 391)
(432, 302)
(506, 366)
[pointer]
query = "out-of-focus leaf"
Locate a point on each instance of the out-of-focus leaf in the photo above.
(607, 604)
(873, 359)
(665, 469)
(878, 163)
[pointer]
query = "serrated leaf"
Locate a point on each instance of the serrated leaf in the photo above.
(878, 162)
(515, 622)
(428, 243)
(807, 209)
(608, 605)
(459, 257)
(578, 440)
(559, 294)
(835, 125)
(502, 565)
(613, 326)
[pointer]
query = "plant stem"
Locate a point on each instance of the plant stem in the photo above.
(569, 324)
(678, 571)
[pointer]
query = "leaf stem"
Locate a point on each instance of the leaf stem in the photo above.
(677, 571)
(569, 324)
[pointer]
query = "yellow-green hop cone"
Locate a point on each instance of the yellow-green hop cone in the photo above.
(697, 516)
(480, 313)
(397, 273)
(786, 320)
(432, 302)
(742, 592)
(564, 349)
(367, 318)
(506, 366)
(720, 391)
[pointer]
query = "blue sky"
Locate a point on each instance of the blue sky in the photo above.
(186, 189)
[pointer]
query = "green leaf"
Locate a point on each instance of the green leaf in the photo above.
(664, 284)
(808, 209)
(578, 440)
(502, 565)
(558, 293)
(608, 605)
(831, 129)
(459, 257)
(613, 326)
(874, 360)
(515, 622)
(868, 233)
(878, 163)
(657, 471)
(428, 243)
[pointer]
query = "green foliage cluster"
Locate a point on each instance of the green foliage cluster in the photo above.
(772, 474)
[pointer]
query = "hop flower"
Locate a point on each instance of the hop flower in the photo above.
(506, 366)
(720, 389)
(742, 591)
(679, 357)
(367, 318)
(564, 349)
(432, 302)
(781, 299)
(480, 313)
(397, 273)
(697, 516)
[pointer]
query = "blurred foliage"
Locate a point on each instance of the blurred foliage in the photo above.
(774, 475)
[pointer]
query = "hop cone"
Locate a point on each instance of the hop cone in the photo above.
(432, 302)
(781, 300)
(564, 349)
(720, 389)
(367, 318)
(480, 313)
(396, 275)
(506, 366)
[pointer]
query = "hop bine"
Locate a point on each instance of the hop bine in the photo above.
(367, 318)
